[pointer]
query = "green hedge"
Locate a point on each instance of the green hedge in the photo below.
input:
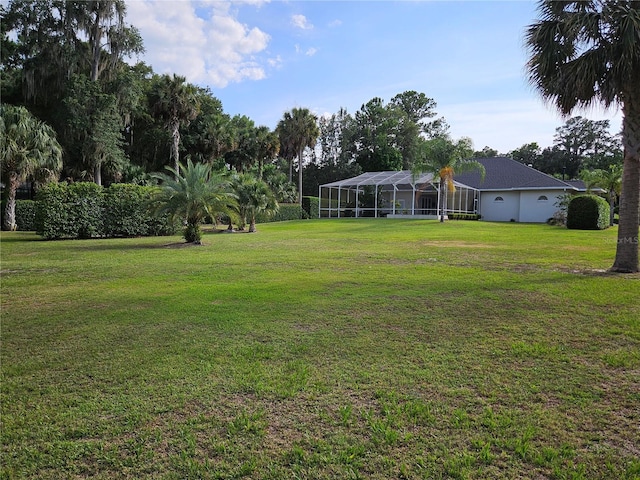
(588, 212)
(26, 215)
(286, 212)
(311, 205)
(126, 213)
(464, 216)
(87, 210)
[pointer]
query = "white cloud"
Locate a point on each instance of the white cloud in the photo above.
(335, 23)
(211, 48)
(275, 62)
(311, 52)
(300, 21)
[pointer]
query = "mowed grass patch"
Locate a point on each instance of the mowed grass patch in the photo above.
(321, 349)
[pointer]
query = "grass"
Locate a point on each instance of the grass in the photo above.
(321, 349)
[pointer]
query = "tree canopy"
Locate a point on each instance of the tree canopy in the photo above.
(28, 149)
(587, 53)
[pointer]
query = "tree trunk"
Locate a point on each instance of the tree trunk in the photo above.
(10, 208)
(612, 204)
(443, 199)
(290, 170)
(175, 146)
(97, 174)
(300, 176)
(252, 224)
(627, 248)
(95, 50)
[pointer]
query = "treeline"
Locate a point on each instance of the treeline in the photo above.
(65, 62)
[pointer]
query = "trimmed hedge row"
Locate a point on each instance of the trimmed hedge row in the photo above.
(311, 205)
(463, 216)
(87, 210)
(25, 214)
(588, 212)
(286, 212)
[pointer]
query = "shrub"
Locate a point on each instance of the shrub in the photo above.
(53, 217)
(311, 205)
(464, 216)
(125, 212)
(285, 212)
(85, 210)
(26, 214)
(161, 225)
(588, 212)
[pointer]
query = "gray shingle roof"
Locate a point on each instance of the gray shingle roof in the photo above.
(504, 173)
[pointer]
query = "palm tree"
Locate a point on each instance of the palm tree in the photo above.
(28, 149)
(587, 52)
(267, 147)
(443, 158)
(611, 180)
(298, 130)
(192, 194)
(254, 197)
(174, 102)
(590, 178)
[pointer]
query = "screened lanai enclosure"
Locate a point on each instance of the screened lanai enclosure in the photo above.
(394, 194)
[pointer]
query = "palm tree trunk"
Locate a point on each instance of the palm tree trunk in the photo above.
(300, 176)
(612, 204)
(175, 146)
(627, 248)
(252, 224)
(10, 208)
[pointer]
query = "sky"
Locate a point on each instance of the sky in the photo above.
(263, 58)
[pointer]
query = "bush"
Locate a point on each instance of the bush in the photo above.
(125, 212)
(53, 213)
(26, 215)
(286, 212)
(588, 212)
(464, 216)
(311, 205)
(86, 210)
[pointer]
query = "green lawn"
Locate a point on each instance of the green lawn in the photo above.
(322, 349)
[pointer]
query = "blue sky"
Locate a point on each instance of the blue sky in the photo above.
(263, 58)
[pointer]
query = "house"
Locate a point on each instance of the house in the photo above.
(510, 191)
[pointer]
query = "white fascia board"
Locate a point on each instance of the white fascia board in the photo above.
(462, 185)
(518, 189)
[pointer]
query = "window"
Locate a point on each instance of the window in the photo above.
(543, 198)
(498, 199)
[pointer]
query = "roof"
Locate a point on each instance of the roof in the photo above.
(581, 186)
(404, 177)
(503, 173)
